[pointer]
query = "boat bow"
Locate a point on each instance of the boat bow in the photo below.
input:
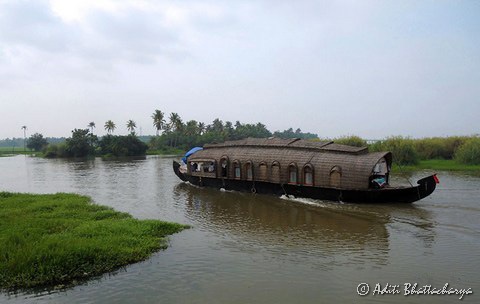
(427, 185)
(176, 169)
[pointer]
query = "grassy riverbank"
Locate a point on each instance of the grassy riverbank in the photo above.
(8, 151)
(166, 151)
(438, 165)
(61, 238)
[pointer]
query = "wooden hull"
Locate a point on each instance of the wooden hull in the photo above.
(385, 195)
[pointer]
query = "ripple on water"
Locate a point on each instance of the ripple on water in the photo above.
(246, 248)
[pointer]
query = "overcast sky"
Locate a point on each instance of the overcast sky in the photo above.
(367, 68)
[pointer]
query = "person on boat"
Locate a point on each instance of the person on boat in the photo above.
(224, 168)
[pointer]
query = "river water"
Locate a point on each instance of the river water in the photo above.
(247, 248)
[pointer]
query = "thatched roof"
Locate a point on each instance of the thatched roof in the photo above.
(294, 143)
(356, 163)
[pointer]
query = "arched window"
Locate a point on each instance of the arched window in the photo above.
(336, 176)
(262, 171)
(237, 171)
(223, 168)
(292, 173)
(249, 170)
(275, 175)
(308, 175)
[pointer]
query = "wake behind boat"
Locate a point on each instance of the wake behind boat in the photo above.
(302, 168)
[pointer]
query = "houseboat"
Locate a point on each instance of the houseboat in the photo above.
(299, 168)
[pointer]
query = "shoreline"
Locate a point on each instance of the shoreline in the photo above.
(438, 165)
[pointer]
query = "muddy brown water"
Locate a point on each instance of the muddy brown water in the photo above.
(247, 248)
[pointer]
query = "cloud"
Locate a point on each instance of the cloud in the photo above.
(136, 36)
(324, 61)
(106, 36)
(32, 24)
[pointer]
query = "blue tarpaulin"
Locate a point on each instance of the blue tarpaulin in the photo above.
(379, 182)
(190, 152)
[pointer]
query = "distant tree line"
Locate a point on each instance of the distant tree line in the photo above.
(12, 142)
(177, 134)
(297, 134)
(174, 135)
(84, 143)
(18, 142)
(173, 132)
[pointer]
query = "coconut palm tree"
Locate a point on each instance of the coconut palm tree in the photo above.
(131, 125)
(91, 125)
(175, 125)
(175, 121)
(158, 120)
(109, 126)
(191, 128)
(24, 138)
(201, 128)
(217, 125)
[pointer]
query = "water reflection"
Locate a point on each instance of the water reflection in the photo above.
(289, 227)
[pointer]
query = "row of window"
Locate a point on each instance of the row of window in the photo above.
(262, 173)
(273, 175)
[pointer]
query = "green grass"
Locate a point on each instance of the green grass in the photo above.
(166, 151)
(6, 151)
(440, 165)
(54, 239)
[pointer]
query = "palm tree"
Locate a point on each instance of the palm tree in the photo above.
(191, 128)
(91, 125)
(228, 130)
(217, 125)
(201, 128)
(131, 125)
(109, 126)
(175, 121)
(176, 124)
(24, 137)
(158, 120)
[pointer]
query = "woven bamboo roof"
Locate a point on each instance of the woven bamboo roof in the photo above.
(355, 162)
(295, 143)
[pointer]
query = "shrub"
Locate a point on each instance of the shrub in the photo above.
(438, 147)
(403, 149)
(55, 150)
(128, 145)
(453, 143)
(352, 140)
(469, 152)
(36, 142)
(81, 143)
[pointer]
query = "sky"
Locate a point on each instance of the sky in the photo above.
(368, 68)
